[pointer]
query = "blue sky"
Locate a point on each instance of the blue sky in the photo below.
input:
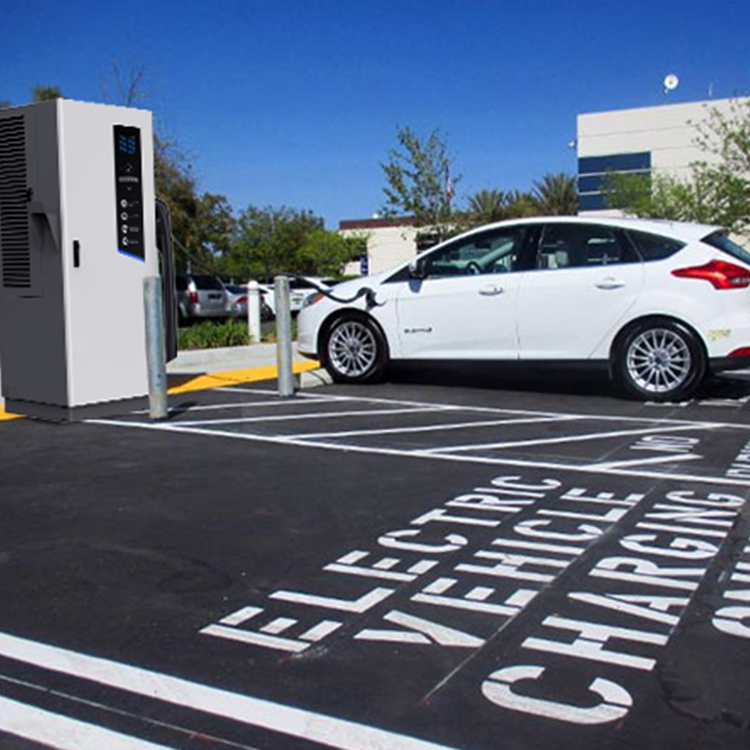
(294, 102)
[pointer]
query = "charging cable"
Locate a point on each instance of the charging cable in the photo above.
(366, 292)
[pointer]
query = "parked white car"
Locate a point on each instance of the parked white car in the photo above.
(662, 303)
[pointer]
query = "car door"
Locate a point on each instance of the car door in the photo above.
(587, 277)
(464, 306)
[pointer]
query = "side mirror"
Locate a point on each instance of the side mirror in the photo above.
(418, 268)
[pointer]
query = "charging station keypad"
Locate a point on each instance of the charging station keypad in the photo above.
(129, 191)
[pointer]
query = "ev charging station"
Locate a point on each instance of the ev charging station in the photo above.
(78, 235)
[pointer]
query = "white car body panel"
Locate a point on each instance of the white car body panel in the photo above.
(566, 313)
(463, 317)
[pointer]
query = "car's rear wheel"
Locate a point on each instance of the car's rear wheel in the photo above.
(660, 361)
(355, 350)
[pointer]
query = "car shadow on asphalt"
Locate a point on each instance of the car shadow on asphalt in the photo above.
(549, 378)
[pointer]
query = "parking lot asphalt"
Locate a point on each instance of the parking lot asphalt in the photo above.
(412, 565)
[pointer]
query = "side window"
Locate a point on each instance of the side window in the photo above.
(497, 251)
(654, 247)
(582, 246)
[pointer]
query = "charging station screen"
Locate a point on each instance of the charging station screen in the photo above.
(129, 191)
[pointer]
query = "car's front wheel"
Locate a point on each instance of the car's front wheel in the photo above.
(660, 361)
(354, 350)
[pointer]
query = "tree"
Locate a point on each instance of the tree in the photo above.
(325, 253)
(714, 192)
(269, 241)
(727, 137)
(520, 205)
(487, 206)
(46, 93)
(39, 93)
(712, 195)
(419, 181)
(556, 195)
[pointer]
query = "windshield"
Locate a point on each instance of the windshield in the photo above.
(721, 241)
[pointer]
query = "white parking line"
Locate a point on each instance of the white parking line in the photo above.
(313, 415)
(642, 461)
(62, 732)
(571, 438)
(499, 410)
(433, 427)
(237, 405)
(486, 460)
(276, 717)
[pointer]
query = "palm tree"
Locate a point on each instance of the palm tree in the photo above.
(487, 206)
(519, 205)
(557, 195)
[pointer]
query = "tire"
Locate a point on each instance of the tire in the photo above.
(660, 361)
(354, 350)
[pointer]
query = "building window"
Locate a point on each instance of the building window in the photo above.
(592, 172)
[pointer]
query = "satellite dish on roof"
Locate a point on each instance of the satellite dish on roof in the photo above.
(671, 82)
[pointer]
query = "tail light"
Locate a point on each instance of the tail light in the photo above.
(193, 298)
(719, 273)
(241, 301)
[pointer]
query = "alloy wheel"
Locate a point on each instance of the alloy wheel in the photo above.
(352, 348)
(659, 360)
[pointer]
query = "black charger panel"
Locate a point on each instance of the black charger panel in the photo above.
(129, 191)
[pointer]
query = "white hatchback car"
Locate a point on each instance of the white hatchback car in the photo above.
(661, 303)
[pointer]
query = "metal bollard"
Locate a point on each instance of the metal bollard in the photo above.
(253, 311)
(155, 347)
(283, 336)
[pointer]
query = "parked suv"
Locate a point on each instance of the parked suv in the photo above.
(200, 297)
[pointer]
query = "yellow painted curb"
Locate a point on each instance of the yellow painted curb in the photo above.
(237, 377)
(215, 380)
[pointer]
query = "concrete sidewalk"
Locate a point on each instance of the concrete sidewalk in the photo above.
(227, 358)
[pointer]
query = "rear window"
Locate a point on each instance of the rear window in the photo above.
(181, 283)
(207, 282)
(653, 246)
(720, 241)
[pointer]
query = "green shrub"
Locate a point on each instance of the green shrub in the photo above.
(212, 334)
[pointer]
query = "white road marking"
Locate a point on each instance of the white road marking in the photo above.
(486, 460)
(275, 717)
(497, 410)
(433, 427)
(236, 405)
(312, 415)
(62, 732)
(571, 438)
(641, 461)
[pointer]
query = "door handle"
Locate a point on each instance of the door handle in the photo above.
(491, 290)
(610, 283)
